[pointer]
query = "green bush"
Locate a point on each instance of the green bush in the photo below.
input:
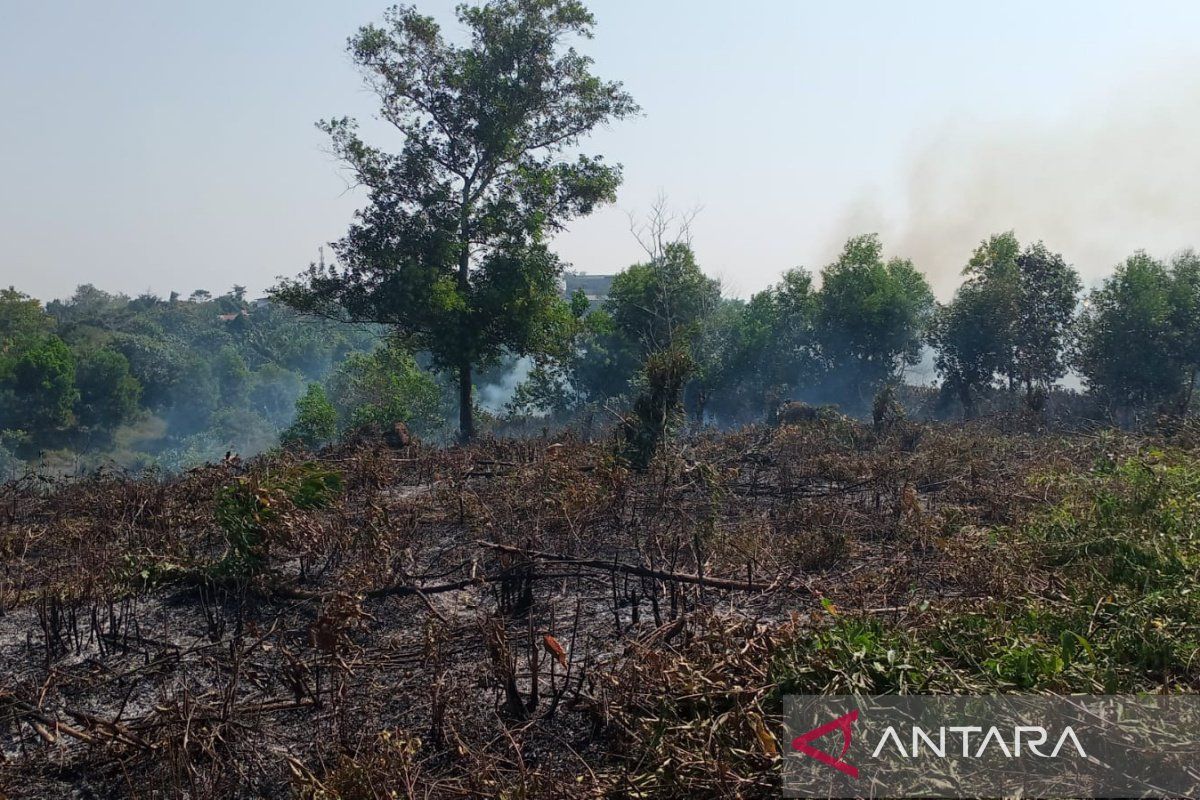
(656, 407)
(316, 420)
(383, 388)
(251, 510)
(855, 656)
(1123, 547)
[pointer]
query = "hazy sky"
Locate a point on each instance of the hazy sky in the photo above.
(168, 145)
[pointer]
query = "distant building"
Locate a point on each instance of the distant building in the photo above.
(596, 287)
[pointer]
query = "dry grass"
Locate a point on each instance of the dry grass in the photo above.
(395, 642)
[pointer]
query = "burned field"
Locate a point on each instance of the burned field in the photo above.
(534, 619)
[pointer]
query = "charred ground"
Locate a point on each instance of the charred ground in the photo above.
(387, 631)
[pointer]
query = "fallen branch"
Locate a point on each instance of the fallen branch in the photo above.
(404, 589)
(396, 590)
(41, 724)
(630, 569)
(115, 729)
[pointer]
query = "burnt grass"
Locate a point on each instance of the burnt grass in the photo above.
(395, 643)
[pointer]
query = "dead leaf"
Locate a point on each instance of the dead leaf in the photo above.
(555, 649)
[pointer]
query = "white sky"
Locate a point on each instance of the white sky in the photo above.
(155, 146)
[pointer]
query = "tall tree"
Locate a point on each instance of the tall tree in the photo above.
(970, 342)
(1185, 319)
(1127, 347)
(1011, 317)
(870, 320)
(1049, 292)
(21, 317)
(664, 300)
(666, 304)
(37, 369)
(451, 249)
(37, 391)
(767, 349)
(108, 392)
(786, 313)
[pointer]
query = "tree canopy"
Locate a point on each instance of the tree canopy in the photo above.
(1010, 319)
(871, 318)
(451, 249)
(142, 380)
(1137, 334)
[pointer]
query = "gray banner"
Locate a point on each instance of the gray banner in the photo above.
(1002, 746)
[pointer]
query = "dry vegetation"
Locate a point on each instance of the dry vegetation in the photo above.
(532, 619)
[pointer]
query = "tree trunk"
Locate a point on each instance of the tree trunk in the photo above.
(1186, 401)
(466, 407)
(701, 402)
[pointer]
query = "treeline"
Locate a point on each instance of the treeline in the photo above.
(142, 382)
(174, 382)
(145, 380)
(1016, 326)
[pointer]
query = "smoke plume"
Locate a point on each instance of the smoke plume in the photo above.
(1108, 178)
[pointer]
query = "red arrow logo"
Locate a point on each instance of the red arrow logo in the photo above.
(842, 724)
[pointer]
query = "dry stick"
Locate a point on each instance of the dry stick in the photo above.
(614, 567)
(117, 730)
(402, 589)
(432, 608)
(629, 569)
(38, 720)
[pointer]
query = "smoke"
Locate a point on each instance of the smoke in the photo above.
(494, 396)
(1111, 176)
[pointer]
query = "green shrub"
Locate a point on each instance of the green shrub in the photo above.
(250, 511)
(1121, 551)
(383, 388)
(656, 407)
(316, 420)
